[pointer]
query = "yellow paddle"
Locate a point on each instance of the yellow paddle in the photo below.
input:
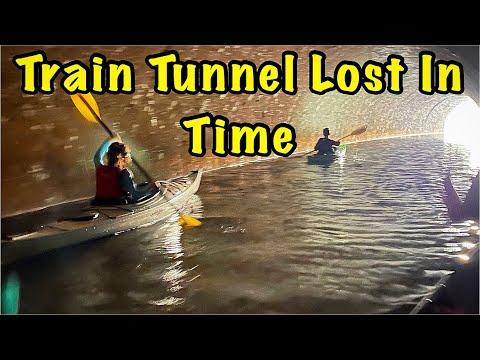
(86, 104)
(357, 131)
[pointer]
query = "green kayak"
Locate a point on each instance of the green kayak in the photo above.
(328, 158)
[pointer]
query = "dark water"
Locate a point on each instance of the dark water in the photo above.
(365, 234)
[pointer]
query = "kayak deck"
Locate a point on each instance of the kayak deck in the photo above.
(78, 222)
(328, 157)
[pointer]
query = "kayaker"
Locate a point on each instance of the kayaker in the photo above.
(114, 181)
(325, 145)
(458, 210)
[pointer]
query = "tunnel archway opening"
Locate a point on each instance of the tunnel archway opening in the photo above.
(462, 124)
(462, 129)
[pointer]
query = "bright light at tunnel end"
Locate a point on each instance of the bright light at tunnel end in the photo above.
(462, 125)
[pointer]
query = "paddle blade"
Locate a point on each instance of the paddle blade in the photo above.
(359, 130)
(81, 101)
(188, 221)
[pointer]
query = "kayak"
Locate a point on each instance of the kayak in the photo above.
(82, 222)
(454, 293)
(320, 159)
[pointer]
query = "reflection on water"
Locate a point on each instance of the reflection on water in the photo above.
(363, 235)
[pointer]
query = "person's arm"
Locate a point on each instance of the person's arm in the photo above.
(470, 205)
(452, 200)
(127, 184)
(336, 143)
(102, 150)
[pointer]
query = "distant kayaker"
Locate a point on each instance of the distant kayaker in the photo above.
(325, 145)
(114, 181)
(458, 210)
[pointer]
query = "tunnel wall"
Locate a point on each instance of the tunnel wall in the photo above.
(47, 147)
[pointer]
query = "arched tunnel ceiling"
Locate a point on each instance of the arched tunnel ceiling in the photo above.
(47, 147)
(386, 114)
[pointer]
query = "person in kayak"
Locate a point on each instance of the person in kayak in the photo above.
(325, 144)
(114, 181)
(459, 210)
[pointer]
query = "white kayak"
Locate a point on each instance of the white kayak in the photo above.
(87, 222)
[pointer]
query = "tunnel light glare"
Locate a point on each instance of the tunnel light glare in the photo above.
(462, 125)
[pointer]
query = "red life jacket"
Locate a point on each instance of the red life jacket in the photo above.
(108, 182)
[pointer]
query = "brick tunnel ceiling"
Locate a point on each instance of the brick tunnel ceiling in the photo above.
(386, 114)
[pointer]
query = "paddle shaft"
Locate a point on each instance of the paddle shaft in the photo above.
(343, 137)
(111, 134)
(308, 153)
